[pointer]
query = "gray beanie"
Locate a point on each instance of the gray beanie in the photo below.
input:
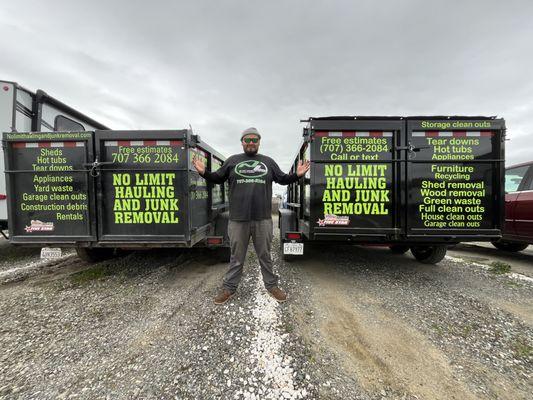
(250, 131)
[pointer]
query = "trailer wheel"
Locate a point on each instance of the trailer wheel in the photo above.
(517, 246)
(92, 255)
(509, 246)
(499, 245)
(429, 254)
(398, 248)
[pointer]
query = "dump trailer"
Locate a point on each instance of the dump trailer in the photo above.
(22, 110)
(418, 183)
(105, 190)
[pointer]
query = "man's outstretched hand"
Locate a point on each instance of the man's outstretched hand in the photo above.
(199, 165)
(303, 167)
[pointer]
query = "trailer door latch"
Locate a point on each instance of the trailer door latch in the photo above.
(95, 166)
(411, 149)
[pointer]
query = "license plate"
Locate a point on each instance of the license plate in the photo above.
(50, 252)
(293, 248)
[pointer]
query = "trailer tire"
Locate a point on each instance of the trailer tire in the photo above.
(429, 254)
(510, 246)
(93, 255)
(398, 248)
(517, 246)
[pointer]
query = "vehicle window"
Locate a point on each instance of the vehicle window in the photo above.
(513, 178)
(530, 185)
(62, 123)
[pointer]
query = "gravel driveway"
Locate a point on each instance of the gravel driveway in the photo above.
(360, 323)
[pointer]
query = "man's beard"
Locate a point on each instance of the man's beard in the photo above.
(251, 152)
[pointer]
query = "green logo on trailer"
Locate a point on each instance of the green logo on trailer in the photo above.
(251, 169)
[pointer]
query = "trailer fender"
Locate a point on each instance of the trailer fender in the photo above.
(223, 252)
(221, 225)
(287, 222)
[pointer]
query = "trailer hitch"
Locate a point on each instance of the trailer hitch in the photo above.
(94, 171)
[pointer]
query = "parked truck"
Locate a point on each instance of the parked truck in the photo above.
(105, 190)
(22, 110)
(418, 183)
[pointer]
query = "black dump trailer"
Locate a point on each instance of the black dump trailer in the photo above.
(103, 190)
(418, 183)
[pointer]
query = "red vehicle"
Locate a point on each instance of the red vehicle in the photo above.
(518, 228)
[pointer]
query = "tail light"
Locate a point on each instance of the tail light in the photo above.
(214, 240)
(3, 197)
(294, 235)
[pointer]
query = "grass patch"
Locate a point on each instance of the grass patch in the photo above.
(463, 331)
(521, 349)
(91, 274)
(468, 329)
(513, 284)
(498, 267)
(288, 327)
(438, 330)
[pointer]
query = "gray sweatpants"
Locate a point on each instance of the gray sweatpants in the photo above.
(239, 236)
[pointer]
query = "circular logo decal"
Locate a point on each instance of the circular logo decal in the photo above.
(251, 169)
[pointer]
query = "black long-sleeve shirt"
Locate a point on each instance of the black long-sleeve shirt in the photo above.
(250, 185)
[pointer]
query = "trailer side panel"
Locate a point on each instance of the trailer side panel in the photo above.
(51, 191)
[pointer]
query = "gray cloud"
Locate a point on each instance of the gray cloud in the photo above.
(223, 66)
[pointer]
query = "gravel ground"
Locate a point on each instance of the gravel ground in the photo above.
(11, 256)
(144, 326)
(407, 330)
(359, 324)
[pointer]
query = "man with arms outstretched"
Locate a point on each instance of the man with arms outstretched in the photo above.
(250, 177)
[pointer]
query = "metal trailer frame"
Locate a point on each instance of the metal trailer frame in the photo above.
(295, 222)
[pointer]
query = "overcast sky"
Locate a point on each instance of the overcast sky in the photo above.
(223, 66)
